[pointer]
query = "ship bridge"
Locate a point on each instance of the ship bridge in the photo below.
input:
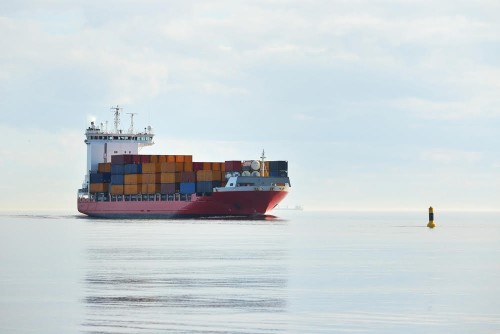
(102, 143)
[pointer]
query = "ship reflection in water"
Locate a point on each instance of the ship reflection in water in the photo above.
(186, 276)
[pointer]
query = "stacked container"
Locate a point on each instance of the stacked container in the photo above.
(166, 174)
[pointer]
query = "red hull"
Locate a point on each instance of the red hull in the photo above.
(230, 203)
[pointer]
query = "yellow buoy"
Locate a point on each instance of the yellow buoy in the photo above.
(431, 218)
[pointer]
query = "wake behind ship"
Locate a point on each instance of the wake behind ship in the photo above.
(121, 183)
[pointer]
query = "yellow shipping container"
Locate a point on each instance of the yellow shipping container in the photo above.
(130, 179)
(167, 178)
(116, 189)
(148, 167)
(104, 167)
(99, 187)
(131, 189)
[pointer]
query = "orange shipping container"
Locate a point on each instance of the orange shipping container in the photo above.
(167, 167)
(188, 167)
(215, 165)
(148, 178)
(179, 158)
(204, 175)
(99, 187)
(216, 175)
(207, 166)
(179, 166)
(131, 189)
(170, 158)
(148, 167)
(168, 177)
(130, 179)
(116, 189)
(104, 167)
(154, 159)
(151, 188)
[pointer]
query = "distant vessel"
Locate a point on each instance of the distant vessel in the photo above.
(120, 183)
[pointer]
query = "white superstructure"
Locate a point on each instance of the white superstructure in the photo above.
(103, 144)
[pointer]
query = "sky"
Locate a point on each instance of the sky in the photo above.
(376, 105)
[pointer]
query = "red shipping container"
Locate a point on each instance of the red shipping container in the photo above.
(233, 165)
(145, 158)
(197, 166)
(168, 188)
(187, 177)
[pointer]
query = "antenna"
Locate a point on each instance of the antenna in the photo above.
(131, 130)
(262, 165)
(116, 112)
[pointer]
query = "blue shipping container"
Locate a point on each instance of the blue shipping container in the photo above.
(188, 188)
(117, 169)
(278, 173)
(100, 177)
(117, 179)
(132, 169)
(206, 186)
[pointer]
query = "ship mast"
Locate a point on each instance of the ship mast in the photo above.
(131, 130)
(116, 112)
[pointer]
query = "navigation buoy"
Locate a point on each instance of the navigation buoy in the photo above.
(431, 218)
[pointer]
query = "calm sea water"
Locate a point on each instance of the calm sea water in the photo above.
(302, 273)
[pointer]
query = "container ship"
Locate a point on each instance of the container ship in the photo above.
(121, 183)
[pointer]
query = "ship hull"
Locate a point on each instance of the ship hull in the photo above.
(223, 204)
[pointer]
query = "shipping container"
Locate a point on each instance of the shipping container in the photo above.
(151, 188)
(117, 179)
(232, 166)
(179, 158)
(187, 187)
(170, 177)
(206, 186)
(275, 173)
(215, 165)
(99, 187)
(278, 165)
(168, 188)
(117, 189)
(149, 167)
(117, 169)
(204, 175)
(207, 166)
(121, 159)
(188, 167)
(104, 167)
(132, 179)
(145, 158)
(217, 175)
(188, 177)
(170, 158)
(100, 177)
(131, 189)
(167, 167)
(197, 166)
(149, 178)
(136, 158)
(179, 166)
(132, 169)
